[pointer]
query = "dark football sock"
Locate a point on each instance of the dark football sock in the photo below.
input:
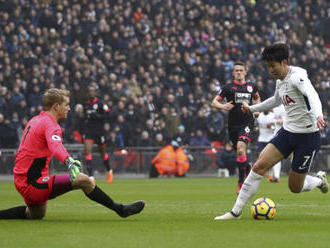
(89, 168)
(106, 164)
(13, 213)
(241, 173)
(102, 198)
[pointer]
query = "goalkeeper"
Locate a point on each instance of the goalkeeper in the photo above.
(42, 138)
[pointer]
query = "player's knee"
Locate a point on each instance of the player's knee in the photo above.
(259, 168)
(83, 181)
(294, 189)
(241, 151)
(36, 215)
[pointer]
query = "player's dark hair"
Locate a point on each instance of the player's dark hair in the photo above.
(52, 96)
(238, 62)
(277, 52)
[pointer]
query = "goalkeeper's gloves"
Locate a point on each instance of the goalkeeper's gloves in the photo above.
(74, 167)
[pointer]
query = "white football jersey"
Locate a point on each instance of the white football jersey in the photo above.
(279, 114)
(266, 126)
(301, 102)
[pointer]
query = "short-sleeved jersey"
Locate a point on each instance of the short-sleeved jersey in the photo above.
(301, 102)
(238, 93)
(41, 139)
(266, 132)
(95, 114)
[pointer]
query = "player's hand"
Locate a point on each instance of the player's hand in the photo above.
(228, 106)
(74, 167)
(245, 107)
(320, 122)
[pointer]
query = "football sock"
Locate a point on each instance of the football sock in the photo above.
(102, 198)
(241, 173)
(311, 183)
(249, 188)
(106, 161)
(242, 165)
(247, 170)
(13, 213)
(277, 170)
(88, 164)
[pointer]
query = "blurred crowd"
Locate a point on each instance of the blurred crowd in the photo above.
(156, 63)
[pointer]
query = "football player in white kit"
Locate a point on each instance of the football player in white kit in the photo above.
(300, 133)
(275, 171)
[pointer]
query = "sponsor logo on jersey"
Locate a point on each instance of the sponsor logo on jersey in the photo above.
(56, 137)
(286, 100)
(249, 88)
(242, 97)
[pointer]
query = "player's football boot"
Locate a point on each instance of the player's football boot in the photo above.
(274, 180)
(228, 216)
(269, 178)
(239, 186)
(126, 210)
(324, 187)
(110, 177)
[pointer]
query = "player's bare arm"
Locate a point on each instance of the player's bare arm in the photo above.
(223, 106)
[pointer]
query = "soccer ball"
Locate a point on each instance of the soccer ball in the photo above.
(263, 209)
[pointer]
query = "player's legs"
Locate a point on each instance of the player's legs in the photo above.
(242, 164)
(88, 145)
(277, 172)
(36, 196)
(94, 193)
(306, 147)
(106, 162)
(36, 212)
(245, 135)
(267, 158)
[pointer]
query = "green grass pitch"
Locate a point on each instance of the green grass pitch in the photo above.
(179, 213)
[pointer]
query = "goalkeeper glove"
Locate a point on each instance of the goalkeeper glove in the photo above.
(74, 167)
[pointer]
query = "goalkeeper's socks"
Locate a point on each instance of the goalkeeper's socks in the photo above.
(102, 198)
(249, 188)
(13, 213)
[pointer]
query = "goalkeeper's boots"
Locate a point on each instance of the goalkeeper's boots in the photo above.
(126, 210)
(228, 216)
(324, 187)
(109, 176)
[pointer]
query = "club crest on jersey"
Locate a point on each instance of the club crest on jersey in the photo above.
(56, 137)
(45, 179)
(95, 106)
(249, 88)
(286, 100)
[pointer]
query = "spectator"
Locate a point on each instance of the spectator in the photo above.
(226, 159)
(199, 139)
(9, 138)
(161, 58)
